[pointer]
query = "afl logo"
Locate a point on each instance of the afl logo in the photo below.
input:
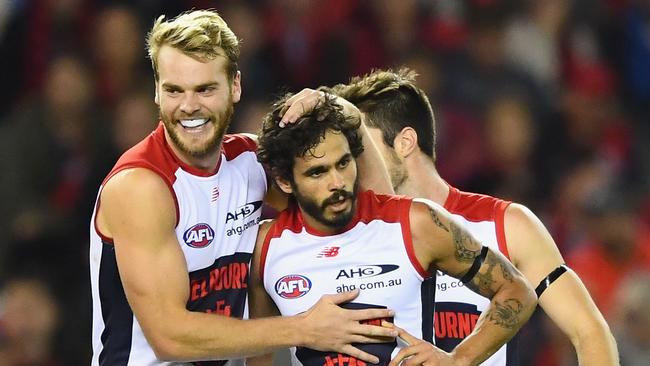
(199, 236)
(292, 286)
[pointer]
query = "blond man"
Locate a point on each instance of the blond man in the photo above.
(176, 219)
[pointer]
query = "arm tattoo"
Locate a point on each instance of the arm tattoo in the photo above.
(436, 220)
(506, 314)
(506, 272)
(482, 282)
(463, 242)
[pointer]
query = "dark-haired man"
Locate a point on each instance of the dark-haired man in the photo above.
(335, 237)
(401, 122)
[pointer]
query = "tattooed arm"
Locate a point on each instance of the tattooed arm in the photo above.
(440, 243)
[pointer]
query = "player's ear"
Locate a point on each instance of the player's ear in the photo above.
(406, 142)
(156, 97)
(284, 185)
(235, 89)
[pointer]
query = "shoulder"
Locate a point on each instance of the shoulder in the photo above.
(527, 238)
(135, 188)
(264, 227)
(236, 144)
(390, 208)
(134, 197)
(134, 180)
(151, 153)
(424, 208)
(521, 223)
(517, 213)
(475, 206)
(425, 214)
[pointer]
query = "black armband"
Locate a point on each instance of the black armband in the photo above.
(548, 280)
(478, 261)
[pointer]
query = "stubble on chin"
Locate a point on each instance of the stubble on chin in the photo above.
(220, 122)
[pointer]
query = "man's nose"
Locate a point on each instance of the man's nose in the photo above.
(336, 181)
(189, 104)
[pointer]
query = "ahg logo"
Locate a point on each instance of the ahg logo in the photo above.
(243, 211)
(199, 236)
(366, 271)
(292, 286)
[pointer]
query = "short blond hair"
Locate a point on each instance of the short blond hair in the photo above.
(201, 34)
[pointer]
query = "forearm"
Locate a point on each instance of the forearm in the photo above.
(372, 168)
(264, 360)
(199, 336)
(509, 309)
(596, 346)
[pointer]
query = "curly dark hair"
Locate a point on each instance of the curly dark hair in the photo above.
(279, 146)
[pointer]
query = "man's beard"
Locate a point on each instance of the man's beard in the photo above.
(221, 122)
(317, 211)
(398, 174)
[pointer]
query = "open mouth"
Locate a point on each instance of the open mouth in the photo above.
(339, 205)
(193, 123)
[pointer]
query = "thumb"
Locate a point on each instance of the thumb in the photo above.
(344, 296)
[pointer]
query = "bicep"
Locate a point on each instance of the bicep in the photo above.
(530, 245)
(140, 214)
(568, 303)
(439, 241)
(452, 249)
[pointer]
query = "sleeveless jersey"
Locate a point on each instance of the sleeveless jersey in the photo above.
(374, 253)
(217, 222)
(457, 308)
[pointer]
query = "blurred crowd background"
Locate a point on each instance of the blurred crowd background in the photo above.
(543, 102)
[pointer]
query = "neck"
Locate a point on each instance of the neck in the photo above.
(424, 180)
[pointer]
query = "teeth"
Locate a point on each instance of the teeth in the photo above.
(190, 123)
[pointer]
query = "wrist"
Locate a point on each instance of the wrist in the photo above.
(299, 337)
(460, 359)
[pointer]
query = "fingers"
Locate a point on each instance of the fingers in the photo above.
(402, 333)
(299, 104)
(366, 339)
(367, 314)
(374, 331)
(408, 337)
(296, 96)
(343, 297)
(418, 359)
(359, 354)
(387, 324)
(403, 354)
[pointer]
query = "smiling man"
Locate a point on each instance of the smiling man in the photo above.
(176, 219)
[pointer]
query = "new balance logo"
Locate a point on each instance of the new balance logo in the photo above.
(328, 252)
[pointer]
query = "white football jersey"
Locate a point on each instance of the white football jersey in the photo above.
(457, 308)
(374, 253)
(217, 223)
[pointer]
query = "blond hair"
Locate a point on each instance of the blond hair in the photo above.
(201, 34)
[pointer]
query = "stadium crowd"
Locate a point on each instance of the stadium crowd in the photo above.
(546, 103)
